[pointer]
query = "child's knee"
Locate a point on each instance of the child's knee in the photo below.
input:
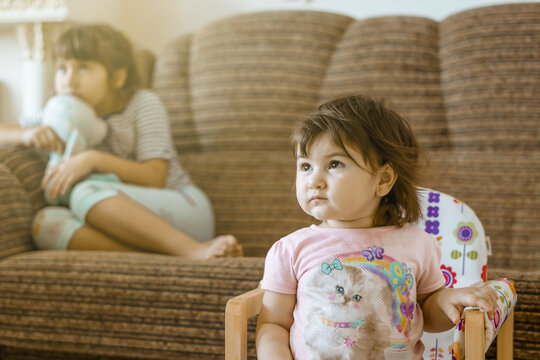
(53, 227)
(88, 193)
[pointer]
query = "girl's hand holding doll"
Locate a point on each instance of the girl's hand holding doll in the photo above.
(63, 176)
(43, 137)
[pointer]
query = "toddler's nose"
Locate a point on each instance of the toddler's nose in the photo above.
(316, 181)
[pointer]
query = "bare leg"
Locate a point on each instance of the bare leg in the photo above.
(88, 238)
(134, 225)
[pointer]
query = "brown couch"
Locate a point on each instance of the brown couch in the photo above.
(469, 84)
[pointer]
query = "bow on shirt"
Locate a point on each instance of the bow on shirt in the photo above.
(327, 268)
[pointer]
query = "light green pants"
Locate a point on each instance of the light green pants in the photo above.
(188, 210)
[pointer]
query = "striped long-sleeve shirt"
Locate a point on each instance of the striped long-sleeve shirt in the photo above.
(140, 132)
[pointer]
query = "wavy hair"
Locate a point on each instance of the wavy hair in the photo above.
(382, 136)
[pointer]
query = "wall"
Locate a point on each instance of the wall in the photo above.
(153, 23)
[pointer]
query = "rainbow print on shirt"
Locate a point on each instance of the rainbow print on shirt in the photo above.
(399, 279)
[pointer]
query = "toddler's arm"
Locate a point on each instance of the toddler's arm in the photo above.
(442, 308)
(275, 321)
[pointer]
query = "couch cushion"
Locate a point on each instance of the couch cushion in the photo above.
(503, 188)
(490, 63)
(171, 81)
(235, 91)
(120, 304)
(250, 77)
(395, 57)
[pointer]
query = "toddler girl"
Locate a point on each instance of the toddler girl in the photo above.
(155, 207)
(364, 283)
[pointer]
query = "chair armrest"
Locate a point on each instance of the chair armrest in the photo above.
(475, 337)
(237, 312)
(505, 339)
(481, 331)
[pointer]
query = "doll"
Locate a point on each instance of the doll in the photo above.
(77, 125)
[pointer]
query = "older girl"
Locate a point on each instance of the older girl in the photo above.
(155, 207)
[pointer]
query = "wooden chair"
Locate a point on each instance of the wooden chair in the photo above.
(243, 307)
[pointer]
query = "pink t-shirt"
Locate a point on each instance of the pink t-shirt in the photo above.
(355, 288)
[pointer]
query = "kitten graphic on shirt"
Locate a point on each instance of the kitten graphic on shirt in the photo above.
(348, 314)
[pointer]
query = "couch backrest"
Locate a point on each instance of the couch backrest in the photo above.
(235, 89)
(395, 57)
(490, 80)
(490, 60)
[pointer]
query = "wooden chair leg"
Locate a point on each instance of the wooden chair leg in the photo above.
(474, 335)
(237, 312)
(505, 339)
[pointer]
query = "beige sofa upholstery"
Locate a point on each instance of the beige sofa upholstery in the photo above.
(469, 85)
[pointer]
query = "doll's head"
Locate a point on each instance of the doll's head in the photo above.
(65, 114)
(382, 138)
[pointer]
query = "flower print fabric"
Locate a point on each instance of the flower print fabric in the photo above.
(356, 289)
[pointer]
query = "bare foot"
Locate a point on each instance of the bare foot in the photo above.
(221, 246)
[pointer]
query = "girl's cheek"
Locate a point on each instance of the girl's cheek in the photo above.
(356, 306)
(332, 297)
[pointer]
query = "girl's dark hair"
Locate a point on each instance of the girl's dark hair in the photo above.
(381, 136)
(103, 44)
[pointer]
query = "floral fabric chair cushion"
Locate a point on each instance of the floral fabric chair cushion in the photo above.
(465, 249)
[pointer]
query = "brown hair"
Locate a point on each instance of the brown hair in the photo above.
(381, 136)
(103, 44)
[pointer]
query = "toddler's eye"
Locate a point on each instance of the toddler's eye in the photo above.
(340, 289)
(334, 164)
(357, 297)
(305, 167)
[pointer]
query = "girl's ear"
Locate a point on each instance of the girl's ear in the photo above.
(387, 178)
(119, 78)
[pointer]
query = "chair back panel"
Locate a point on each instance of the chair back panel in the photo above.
(464, 253)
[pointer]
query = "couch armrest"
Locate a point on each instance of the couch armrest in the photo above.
(27, 167)
(21, 170)
(15, 215)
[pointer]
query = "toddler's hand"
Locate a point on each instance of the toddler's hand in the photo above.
(43, 137)
(455, 300)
